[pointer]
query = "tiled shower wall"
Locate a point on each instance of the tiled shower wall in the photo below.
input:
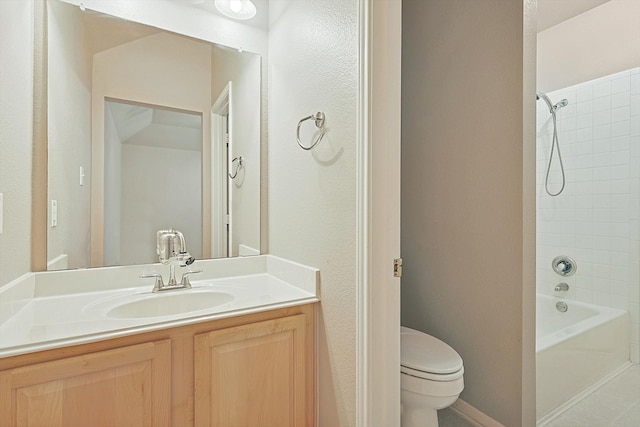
(596, 219)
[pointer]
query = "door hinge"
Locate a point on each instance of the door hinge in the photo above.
(397, 267)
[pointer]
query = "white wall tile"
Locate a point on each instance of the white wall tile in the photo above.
(585, 121)
(620, 99)
(601, 117)
(620, 186)
(584, 135)
(620, 114)
(602, 104)
(622, 128)
(620, 157)
(585, 93)
(601, 145)
(601, 88)
(622, 84)
(634, 106)
(601, 131)
(620, 143)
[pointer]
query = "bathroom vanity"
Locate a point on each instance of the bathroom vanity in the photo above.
(249, 360)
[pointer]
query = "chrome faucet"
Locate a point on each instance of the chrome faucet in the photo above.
(561, 287)
(172, 249)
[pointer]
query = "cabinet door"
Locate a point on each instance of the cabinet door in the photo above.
(128, 386)
(252, 375)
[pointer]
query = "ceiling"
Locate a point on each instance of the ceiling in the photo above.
(553, 12)
(156, 126)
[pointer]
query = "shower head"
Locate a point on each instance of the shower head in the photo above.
(552, 108)
(562, 103)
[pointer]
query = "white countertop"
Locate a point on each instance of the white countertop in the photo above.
(48, 310)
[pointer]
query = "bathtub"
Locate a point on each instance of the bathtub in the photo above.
(575, 349)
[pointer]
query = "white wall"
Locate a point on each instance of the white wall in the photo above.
(313, 51)
(596, 219)
(69, 134)
(144, 170)
(16, 103)
(112, 190)
(467, 241)
(599, 42)
(243, 70)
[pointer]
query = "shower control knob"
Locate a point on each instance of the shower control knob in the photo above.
(564, 265)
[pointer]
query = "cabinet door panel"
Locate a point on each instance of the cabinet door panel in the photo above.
(128, 386)
(252, 375)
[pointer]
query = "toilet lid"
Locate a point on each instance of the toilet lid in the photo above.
(425, 353)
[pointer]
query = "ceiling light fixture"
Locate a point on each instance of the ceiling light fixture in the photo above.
(236, 9)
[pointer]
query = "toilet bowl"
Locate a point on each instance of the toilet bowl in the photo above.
(431, 377)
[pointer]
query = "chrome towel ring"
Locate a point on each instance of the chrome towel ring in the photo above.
(238, 165)
(319, 119)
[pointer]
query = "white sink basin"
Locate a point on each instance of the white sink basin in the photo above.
(169, 303)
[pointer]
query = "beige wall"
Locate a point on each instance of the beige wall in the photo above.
(69, 136)
(599, 42)
(313, 51)
(467, 243)
(16, 87)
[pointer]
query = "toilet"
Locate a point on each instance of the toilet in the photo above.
(431, 377)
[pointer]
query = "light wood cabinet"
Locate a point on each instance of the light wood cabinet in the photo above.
(252, 370)
(128, 386)
(259, 366)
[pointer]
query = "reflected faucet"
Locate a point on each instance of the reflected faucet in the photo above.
(172, 249)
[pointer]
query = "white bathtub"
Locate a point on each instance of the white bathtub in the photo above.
(575, 349)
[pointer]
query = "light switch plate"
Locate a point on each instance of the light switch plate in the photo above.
(54, 213)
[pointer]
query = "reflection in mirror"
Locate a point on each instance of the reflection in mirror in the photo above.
(146, 148)
(112, 79)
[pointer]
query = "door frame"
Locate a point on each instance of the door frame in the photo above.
(221, 124)
(378, 218)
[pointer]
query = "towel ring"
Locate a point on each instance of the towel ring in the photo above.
(319, 120)
(239, 160)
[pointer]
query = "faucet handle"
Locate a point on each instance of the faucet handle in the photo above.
(159, 282)
(185, 278)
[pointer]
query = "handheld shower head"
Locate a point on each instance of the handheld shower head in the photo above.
(554, 141)
(560, 104)
(552, 107)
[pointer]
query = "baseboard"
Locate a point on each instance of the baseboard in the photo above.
(473, 415)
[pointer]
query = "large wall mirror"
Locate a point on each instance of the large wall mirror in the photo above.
(147, 130)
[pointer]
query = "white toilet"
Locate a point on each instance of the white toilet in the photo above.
(431, 377)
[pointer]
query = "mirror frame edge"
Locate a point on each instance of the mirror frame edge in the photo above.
(39, 167)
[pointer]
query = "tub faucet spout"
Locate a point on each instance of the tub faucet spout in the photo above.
(561, 287)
